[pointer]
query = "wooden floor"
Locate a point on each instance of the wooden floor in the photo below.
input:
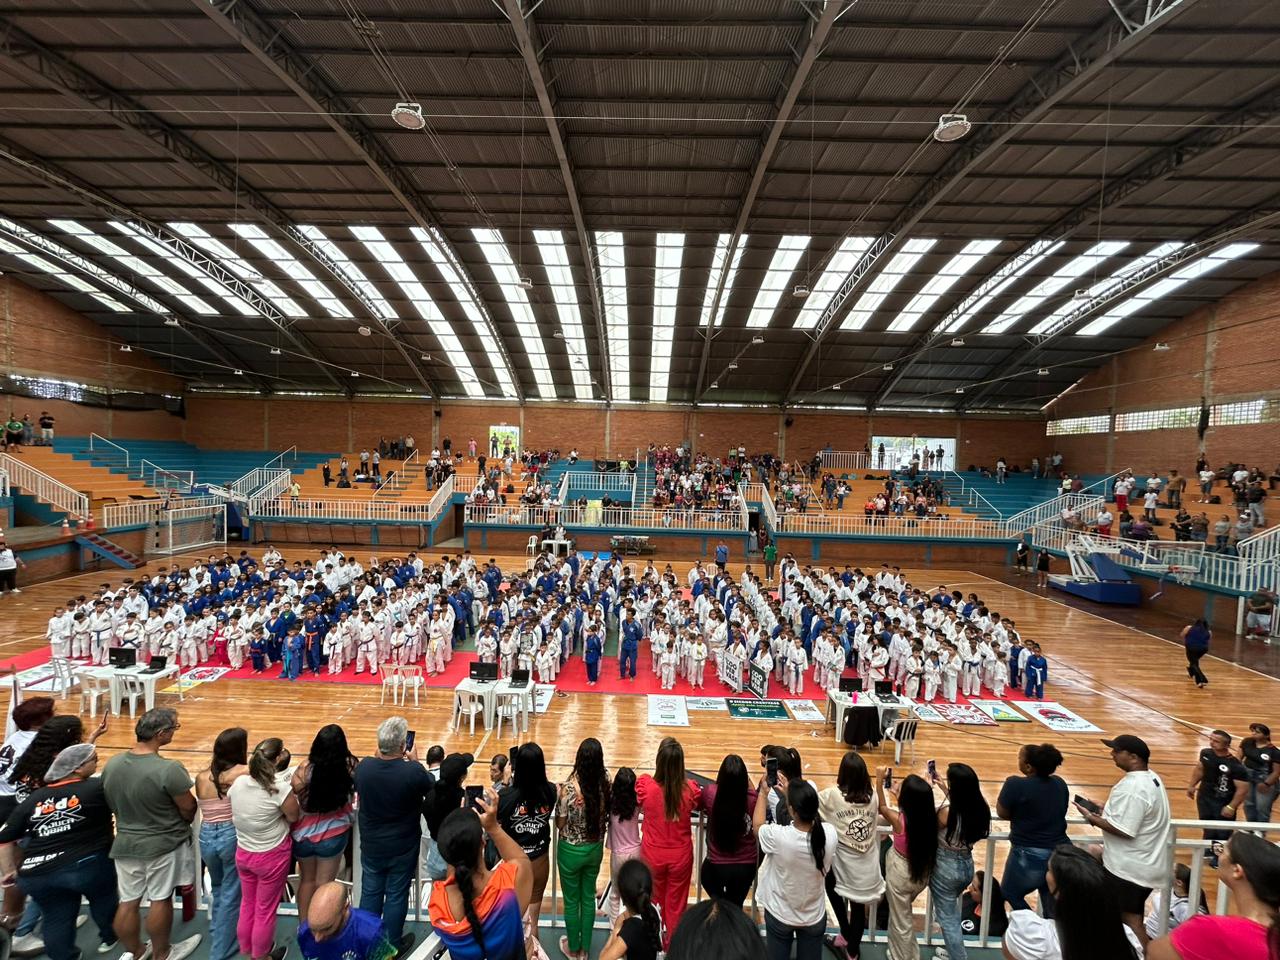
(1122, 679)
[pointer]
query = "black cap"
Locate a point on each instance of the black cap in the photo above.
(1130, 744)
(455, 765)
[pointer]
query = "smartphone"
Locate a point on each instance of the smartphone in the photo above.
(888, 779)
(771, 771)
(409, 738)
(511, 759)
(474, 793)
(1087, 804)
(933, 770)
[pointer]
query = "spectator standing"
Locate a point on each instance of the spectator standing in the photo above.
(1135, 827)
(667, 798)
(963, 819)
(1196, 638)
(910, 861)
(392, 785)
(1174, 488)
(1260, 610)
(729, 868)
(9, 564)
(525, 810)
(624, 832)
(1218, 785)
(582, 817)
(1035, 804)
(855, 879)
(218, 838)
(445, 797)
(325, 788)
(1261, 758)
(153, 804)
(334, 930)
(262, 807)
(46, 428)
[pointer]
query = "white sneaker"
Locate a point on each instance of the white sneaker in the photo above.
(16, 590)
(184, 948)
(107, 947)
(27, 945)
(145, 955)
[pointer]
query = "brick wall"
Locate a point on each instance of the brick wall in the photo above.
(630, 428)
(551, 427)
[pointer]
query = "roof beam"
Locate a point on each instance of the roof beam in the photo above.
(821, 29)
(1219, 134)
(264, 42)
(526, 34)
(1080, 64)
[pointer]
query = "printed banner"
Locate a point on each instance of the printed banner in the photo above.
(806, 712)
(999, 710)
(743, 709)
(705, 703)
(542, 694)
(928, 712)
(1057, 717)
(193, 678)
(42, 679)
(964, 714)
(758, 681)
(667, 711)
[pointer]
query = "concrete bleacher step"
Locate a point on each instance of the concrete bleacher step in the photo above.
(221, 467)
(96, 482)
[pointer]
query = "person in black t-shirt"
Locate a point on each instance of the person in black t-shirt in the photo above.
(1035, 804)
(638, 933)
(67, 826)
(971, 908)
(1261, 758)
(1218, 786)
(525, 810)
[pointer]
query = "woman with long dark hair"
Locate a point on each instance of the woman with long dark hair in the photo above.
(910, 861)
(667, 798)
(713, 928)
(1035, 804)
(792, 884)
(1261, 758)
(963, 819)
(1086, 925)
(230, 761)
(55, 735)
(582, 817)
(855, 880)
(729, 868)
(262, 807)
(624, 833)
(325, 788)
(477, 912)
(638, 933)
(525, 810)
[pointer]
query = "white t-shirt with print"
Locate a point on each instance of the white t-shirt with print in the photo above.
(1139, 807)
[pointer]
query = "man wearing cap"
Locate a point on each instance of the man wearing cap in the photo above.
(392, 786)
(1218, 786)
(1135, 828)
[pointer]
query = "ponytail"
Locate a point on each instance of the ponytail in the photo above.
(262, 765)
(652, 923)
(635, 888)
(818, 844)
(802, 800)
(463, 878)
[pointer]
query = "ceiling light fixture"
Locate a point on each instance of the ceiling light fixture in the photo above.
(958, 342)
(172, 322)
(408, 115)
(525, 283)
(714, 385)
(239, 373)
(952, 127)
(959, 389)
(733, 365)
(559, 335)
(800, 290)
(425, 356)
(275, 351)
(887, 367)
(355, 373)
(756, 341)
(1162, 346)
(837, 386)
(125, 348)
(364, 331)
(1043, 371)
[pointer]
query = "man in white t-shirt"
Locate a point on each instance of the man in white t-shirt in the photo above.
(1135, 827)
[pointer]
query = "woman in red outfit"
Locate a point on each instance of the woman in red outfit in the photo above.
(666, 845)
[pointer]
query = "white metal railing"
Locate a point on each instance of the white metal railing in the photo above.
(279, 458)
(158, 478)
(4, 483)
(256, 480)
(663, 518)
(969, 495)
(1262, 547)
(607, 482)
(396, 480)
(844, 459)
(96, 440)
(44, 487)
(525, 514)
(441, 499)
(563, 494)
(1083, 504)
(136, 513)
(353, 511)
(840, 523)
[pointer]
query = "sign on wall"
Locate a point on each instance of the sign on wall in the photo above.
(503, 439)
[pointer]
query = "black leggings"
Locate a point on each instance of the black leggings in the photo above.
(8, 579)
(851, 916)
(1193, 665)
(728, 881)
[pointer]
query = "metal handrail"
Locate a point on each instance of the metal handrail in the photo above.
(293, 449)
(4, 483)
(109, 443)
(442, 498)
(1050, 509)
(844, 459)
(44, 487)
(180, 483)
(136, 513)
(394, 481)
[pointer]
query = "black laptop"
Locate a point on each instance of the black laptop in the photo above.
(884, 691)
(850, 685)
(122, 657)
(156, 665)
(519, 678)
(483, 672)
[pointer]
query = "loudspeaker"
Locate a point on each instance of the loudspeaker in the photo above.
(438, 413)
(789, 421)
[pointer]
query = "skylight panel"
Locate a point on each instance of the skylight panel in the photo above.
(352, 273)
(783, 264)
(666, 286)
(136, 265)
(885, 282)
(496, 253)
(215, 248)
(613, 286)
(824, 291)
(181, 260)
(1105, 286)
(1052, 284)
(300, 275)
(399, 271)
(713, 281)
(466, 299)
(997, 283)
(959, 265)
(1158, 291)
(555, 260)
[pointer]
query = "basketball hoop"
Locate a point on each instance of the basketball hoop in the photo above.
(1183, 575)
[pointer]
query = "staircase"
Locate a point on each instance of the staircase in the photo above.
(109, 551)
(218, 467)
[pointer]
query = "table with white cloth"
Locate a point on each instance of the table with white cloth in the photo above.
(554, 545)
(484, 689)
(521, 698)
(839, 701)
(116, 676)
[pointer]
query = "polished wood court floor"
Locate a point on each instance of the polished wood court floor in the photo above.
(1121, 678)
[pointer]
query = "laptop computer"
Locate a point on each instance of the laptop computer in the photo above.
(519, 678)
(121, 657)
(483, 672)
(156, 665)
(884, 691)
(850, 685)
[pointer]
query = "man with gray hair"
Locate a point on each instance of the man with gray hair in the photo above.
(152, 800)
(392, 787)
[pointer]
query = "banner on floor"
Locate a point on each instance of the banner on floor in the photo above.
(928, 713)
(667, 711)
(193, 678)
(705, 703)
(806, 712)
(542, 694)
(758, 681)
(964, 714)
(39, 679)
(1000, 711)
(1057, 717)
(744, 709)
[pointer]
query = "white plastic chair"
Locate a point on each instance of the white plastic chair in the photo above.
(531, 550)
(390, 678)
(470, 704)
(410, 679)
(508, 706)
(902, 731)
(63, 676)
(134, 690)
(91, 688)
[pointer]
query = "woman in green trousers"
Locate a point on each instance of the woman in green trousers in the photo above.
(582, 817)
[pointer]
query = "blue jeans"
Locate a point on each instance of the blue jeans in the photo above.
(628, 656)
(951, 874)
(778, 937)
(218, 851)
(1025, 871)
(59, 893)
(384, 889)
(1257, 803)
